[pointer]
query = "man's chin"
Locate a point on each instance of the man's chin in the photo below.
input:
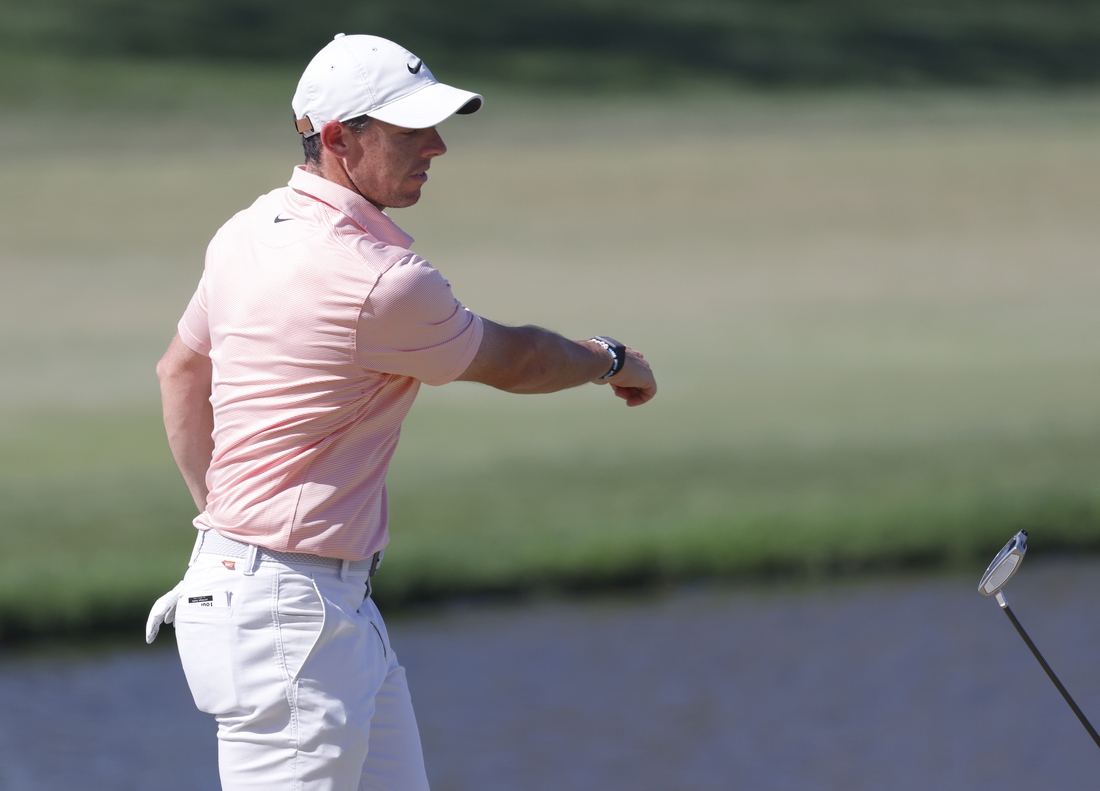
(405, 200)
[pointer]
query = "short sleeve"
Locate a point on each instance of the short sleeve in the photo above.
(412, 325)
(194, 327)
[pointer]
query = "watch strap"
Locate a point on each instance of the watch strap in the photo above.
(616, 350)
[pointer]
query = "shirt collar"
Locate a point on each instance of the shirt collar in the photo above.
(361, 211)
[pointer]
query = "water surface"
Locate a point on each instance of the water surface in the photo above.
(912, 683)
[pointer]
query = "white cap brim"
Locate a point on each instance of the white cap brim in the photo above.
(431, 105)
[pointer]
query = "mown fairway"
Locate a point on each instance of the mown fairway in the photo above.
(873, 318)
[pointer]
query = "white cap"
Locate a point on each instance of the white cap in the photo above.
(367, 75)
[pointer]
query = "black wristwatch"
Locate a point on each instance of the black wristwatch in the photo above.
(617, 352)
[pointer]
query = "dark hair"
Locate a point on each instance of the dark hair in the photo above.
(311, 145)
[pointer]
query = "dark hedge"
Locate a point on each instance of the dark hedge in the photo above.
(607, 42)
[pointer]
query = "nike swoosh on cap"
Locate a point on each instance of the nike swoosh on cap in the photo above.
(282, 219)
(419, 63)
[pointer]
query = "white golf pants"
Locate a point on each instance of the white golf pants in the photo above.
(296, 665)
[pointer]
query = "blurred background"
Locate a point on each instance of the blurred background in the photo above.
(857, 240)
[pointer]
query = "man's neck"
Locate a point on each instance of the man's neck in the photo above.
(334, 171)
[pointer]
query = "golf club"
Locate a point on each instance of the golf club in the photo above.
(999, 572)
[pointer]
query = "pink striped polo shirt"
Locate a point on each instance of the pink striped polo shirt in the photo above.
(321, 325)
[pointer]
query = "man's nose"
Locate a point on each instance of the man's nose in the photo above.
(434, 146)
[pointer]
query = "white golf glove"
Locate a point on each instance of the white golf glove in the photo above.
(164, 611)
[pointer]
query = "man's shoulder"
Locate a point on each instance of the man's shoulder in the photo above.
(368, 249)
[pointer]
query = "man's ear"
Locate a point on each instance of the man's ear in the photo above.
(336, 138)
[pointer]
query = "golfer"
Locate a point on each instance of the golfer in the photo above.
(284, 389)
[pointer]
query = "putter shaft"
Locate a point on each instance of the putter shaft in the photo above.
(1065, 693)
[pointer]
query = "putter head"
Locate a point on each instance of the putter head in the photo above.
(1004, 565)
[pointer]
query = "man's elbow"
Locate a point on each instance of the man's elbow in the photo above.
(181, 366)
(512, 359)
(171, 368)
(164, 369)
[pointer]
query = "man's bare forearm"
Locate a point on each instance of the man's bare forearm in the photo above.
(188, 416)
(549, 362)
(534, 360)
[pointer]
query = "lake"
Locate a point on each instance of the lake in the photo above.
(909, 682)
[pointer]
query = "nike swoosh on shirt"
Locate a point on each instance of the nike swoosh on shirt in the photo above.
(419, 63)
(282, 219)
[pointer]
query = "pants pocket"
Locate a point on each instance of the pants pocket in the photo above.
(206, 640)
(300, 617)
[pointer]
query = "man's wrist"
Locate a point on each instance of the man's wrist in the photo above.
(617, 352)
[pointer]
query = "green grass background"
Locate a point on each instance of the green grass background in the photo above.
(873, 316)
